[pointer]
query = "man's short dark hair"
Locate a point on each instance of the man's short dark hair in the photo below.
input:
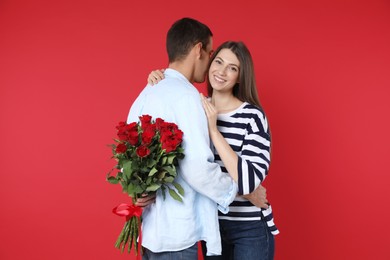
(185, 34)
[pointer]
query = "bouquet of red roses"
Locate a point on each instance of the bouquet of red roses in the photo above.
(147, 153)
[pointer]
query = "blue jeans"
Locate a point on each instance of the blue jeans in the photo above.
(249, 240)
(190, 253)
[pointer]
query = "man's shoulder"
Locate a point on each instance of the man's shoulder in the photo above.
(177, 87)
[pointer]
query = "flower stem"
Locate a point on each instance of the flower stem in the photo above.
(125, 237)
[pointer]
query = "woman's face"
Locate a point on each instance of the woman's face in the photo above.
(224, 71)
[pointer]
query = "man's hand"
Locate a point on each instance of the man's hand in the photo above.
(145, 200)
(258, 197)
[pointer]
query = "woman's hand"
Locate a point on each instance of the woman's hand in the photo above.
(211, 113)
(155, 76)
(258, 197)
(226, 153)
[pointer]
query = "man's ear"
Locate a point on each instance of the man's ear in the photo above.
(198, 49)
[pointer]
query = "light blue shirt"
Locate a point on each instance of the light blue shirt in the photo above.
(169, 225)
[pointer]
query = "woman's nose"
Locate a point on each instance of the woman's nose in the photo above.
(222, 70)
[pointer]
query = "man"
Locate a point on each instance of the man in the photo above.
(171, 229)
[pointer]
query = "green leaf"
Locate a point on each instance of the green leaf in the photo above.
(127, 170)
(135, 162)
(174, 172)
(124, 186)
(161, 175)
(112, 180)
(151, 163)
(133, 189)
(174, 195)
(179, 188)
(164, 160)
(141, 187)
(170, 169)
(169, 179)
(152, 171)
(123, 176)
(171, 158)
(153, 187)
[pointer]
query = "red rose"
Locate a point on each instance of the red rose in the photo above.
(164, 126)
(128, 133)
(159, 122)
(132, 125)
(171, 144)
(168, 146)
(132, 137)
(145, 120)
(170, 139)
(178, 135)
(148, 135)
(121, 125)
(172, 126)
(121, 148)
(122, 134)
(142, 151)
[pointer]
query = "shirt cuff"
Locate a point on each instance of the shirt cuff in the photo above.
(224, 208)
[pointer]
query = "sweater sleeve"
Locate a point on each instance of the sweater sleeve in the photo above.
(254, 161)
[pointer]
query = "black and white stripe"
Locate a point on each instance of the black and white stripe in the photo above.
(247, 132)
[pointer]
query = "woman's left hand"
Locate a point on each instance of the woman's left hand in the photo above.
(211, 113)
(258, 197)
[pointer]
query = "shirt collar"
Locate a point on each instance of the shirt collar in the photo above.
(176, 74)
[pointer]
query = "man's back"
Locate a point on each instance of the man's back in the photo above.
(169, 225)
(162, 100)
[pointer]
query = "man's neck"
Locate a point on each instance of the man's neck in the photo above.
(184, 68)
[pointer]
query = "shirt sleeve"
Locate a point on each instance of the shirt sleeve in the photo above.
(253, 164)
(198, 168)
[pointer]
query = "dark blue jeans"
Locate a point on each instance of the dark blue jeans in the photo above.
(249, 240)
(190, 253)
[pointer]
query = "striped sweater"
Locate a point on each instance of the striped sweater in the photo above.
(247, 132)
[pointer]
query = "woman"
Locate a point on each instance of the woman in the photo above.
(241, 140)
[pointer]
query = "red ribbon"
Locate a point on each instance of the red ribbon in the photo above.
(128, 211)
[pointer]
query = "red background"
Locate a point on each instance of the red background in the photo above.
(69, 71)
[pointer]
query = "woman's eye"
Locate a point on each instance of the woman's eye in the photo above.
(233, 69)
